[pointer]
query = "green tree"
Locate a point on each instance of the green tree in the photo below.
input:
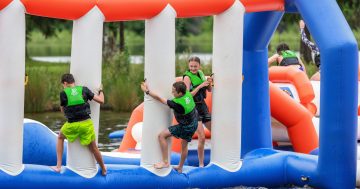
(47, 26)
(351, 10)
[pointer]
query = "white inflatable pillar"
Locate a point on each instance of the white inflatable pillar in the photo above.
(86, 58)
(160, 75)
(227, 92)
(12, 75)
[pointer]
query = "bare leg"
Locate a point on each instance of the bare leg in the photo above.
(201, 143)
(164, 149)
(95, 150)
(184, 154)
(59, 152)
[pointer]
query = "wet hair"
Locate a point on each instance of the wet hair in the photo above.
(195, 59)
(180, 87)
(282, 47)
(68, 78)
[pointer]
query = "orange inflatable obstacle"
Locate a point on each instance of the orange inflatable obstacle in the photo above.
(298, 78)
(296, 118)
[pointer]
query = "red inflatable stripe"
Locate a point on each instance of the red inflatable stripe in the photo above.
(63, 9)
(263, 5)
(191, 8)
(119, 10)
(4, 3)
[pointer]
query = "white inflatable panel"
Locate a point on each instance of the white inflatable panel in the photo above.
(279, 132)
(136, 133)
(80, 160)
(86, 57)
(227, 92)
(12, 75)
(160, 75)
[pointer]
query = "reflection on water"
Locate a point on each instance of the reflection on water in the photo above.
(109, 122)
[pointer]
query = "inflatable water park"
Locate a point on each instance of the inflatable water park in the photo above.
(245, 149)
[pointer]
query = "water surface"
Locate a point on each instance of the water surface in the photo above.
(109, 122)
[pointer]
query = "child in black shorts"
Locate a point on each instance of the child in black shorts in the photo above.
(185, 114)
(198, 84)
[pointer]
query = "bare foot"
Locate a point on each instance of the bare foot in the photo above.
(161, 165)
(103, 171)
(178, 169)
(201, 166)
(56, 168)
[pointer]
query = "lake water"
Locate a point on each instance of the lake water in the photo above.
(134, 59)
(109, 122)
(206, 58)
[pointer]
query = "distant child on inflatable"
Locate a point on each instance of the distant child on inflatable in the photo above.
(314, 49)
(286, 57)
(197, 84)
(185, 114)
(74, 103)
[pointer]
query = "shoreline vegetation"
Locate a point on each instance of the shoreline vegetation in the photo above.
(121, 80)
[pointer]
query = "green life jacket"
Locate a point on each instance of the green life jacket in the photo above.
(77, 109)
(289, 58)
(186, 101)
(196, 80)
(74, 95)
(288, 54)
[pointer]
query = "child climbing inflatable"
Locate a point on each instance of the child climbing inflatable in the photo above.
(185, 114)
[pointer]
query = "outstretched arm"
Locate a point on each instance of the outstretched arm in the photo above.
(272, 59)
(210, 80)
(146, 90)
(304, 38)
(99, 97)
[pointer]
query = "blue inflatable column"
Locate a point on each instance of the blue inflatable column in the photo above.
(256, 130)
(339, 86)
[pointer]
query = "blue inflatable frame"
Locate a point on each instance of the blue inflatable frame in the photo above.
(334, 167)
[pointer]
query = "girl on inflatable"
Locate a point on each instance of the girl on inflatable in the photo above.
(197, 84)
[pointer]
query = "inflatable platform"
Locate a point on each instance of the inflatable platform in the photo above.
(241, 138)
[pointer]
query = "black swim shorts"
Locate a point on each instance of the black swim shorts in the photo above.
(184, 131)
(203, 111)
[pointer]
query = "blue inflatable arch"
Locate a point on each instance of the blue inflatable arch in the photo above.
(336, 166)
